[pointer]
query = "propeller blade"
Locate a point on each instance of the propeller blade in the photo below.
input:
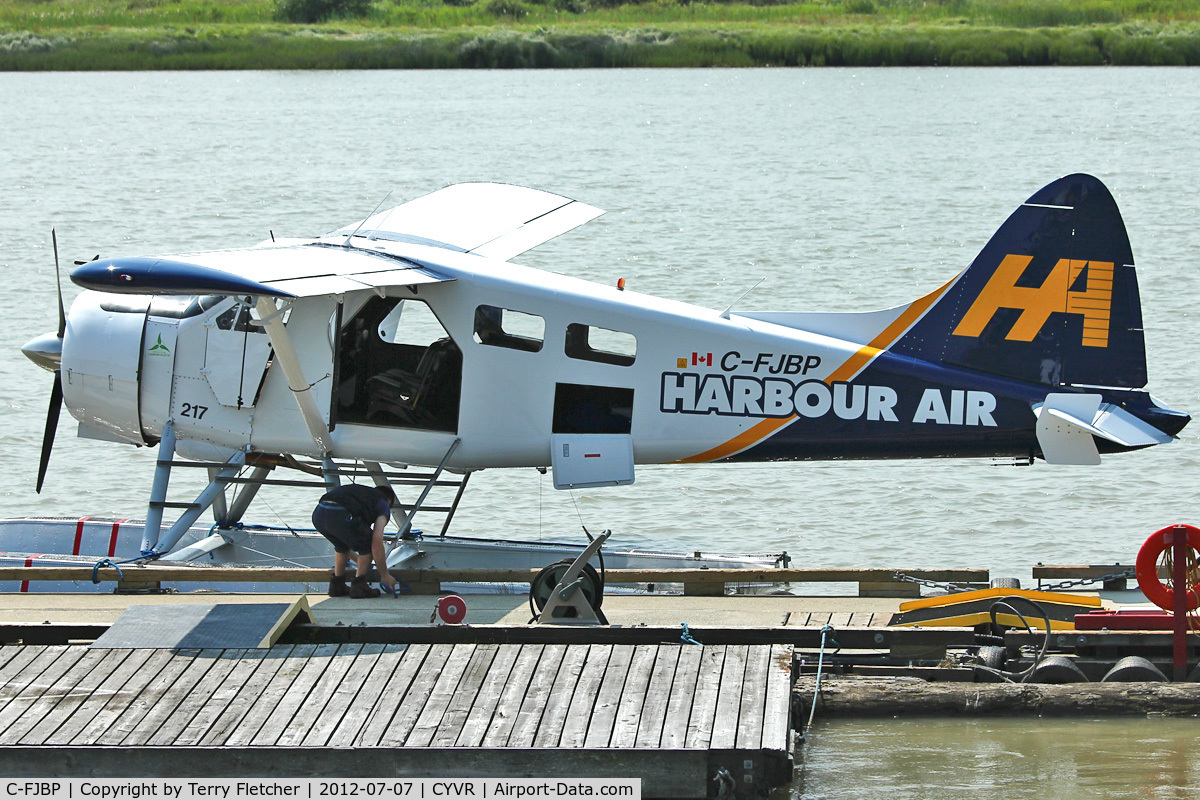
(56, 397)
(62, 315)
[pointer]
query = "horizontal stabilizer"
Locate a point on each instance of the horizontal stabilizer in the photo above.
(1118, 425)
(1067, 424)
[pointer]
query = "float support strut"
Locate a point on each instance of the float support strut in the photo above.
(192, 511)
(219, 506)
(158, 489)
(329, 471)
(241, 502)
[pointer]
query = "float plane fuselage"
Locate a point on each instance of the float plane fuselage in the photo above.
(411, 338)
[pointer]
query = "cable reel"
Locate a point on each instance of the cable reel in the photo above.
(547, 580)
(570, 592)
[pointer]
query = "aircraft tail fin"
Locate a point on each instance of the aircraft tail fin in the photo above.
(1052, 298)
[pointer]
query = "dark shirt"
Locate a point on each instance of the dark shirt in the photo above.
(366, 503)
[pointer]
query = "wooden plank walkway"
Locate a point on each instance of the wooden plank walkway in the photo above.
(672, 714)
(856, 619)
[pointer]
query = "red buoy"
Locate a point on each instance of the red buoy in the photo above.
(452, 609)
(1147, 567)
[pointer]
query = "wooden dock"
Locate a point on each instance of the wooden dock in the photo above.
(674, 715)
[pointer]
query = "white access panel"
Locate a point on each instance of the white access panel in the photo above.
(583, 460)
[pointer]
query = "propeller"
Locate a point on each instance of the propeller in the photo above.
(56, 396)
(56, 392)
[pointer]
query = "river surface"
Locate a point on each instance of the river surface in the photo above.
(846, 190)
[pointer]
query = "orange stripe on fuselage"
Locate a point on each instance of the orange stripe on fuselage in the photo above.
(886, 338)
(740, 442)
(851, 367)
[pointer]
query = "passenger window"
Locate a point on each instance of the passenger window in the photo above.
(502, 327)
(600, 344)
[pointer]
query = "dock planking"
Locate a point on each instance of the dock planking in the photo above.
(670, 713)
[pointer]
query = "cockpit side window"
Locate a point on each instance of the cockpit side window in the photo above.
(237, 318)
(503, 327)
(589, 343)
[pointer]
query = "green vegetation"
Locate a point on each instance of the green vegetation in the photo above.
(339, 34)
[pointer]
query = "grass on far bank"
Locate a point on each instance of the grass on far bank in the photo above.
(43, 16)
(338, 34)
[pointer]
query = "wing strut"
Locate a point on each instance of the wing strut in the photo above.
(272, 322)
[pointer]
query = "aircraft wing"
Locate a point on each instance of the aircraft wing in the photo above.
(291, 270)
(495, 220)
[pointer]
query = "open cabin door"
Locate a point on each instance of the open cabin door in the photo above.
(397, 367)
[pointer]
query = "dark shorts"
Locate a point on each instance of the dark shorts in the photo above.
(341, 528)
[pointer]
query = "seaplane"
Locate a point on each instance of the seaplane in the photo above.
(410, 339)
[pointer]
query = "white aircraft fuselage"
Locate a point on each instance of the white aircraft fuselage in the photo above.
(397, 341)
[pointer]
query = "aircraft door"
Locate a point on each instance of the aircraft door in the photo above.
(397, 367)
(235, 357)
(158, 369)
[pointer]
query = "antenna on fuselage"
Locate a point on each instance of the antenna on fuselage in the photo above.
(364, 222)
(383, 219)
(725, 314)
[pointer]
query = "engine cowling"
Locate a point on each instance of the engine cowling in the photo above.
(101, 364)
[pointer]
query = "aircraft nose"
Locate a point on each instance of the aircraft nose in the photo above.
(45, 351)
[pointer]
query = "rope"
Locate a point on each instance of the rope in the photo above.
(726, 785)
(812, 709)
(1191, 578)
(105, 562)
(686, 638)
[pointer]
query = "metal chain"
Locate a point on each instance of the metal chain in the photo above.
(1058, 587)
(900, 577)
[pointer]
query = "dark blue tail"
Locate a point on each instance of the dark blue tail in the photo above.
(1052, 298)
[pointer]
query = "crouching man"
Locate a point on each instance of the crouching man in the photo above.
(353, 517)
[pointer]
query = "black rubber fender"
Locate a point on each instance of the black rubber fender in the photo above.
(992, 657)
(1134, 668)
(1057, 669)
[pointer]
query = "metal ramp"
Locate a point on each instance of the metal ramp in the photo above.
(225, 625)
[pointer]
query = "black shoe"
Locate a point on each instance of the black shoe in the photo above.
(337, 586)
(359, 588)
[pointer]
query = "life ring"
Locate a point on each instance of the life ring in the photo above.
(1147, 568)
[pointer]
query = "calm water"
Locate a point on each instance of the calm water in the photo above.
(844, 189)
(1001, 759)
